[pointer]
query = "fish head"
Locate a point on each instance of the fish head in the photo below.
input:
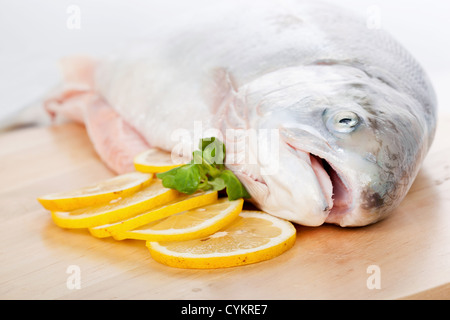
(331, 144)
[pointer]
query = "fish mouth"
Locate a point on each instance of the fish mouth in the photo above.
(341, 193)
(333, 184)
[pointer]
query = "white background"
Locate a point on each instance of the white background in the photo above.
(34, 34)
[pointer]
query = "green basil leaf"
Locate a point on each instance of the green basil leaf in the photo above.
(213, 152)
(205, 142)
(235, 189)
(185, 179)
(197, 157)
(217, 184)
(171, 172)
(206, 171)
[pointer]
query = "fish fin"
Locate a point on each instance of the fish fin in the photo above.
(67, 100)
(115, 141)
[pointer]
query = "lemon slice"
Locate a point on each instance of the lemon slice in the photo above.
(156, 160)
(252, 237)
(181, 203)
(190, 224)
(117, 209)
(102, 192)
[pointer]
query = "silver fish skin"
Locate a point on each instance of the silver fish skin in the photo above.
(355, 112)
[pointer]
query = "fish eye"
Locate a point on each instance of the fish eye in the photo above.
(343, 122)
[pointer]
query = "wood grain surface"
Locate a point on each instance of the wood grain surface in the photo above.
(410, 249)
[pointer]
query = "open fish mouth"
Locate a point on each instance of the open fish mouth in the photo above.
(341, 193)
(334, 186)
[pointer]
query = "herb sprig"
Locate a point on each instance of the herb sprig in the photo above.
(206, 171)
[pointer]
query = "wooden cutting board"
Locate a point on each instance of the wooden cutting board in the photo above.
(405, 256)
